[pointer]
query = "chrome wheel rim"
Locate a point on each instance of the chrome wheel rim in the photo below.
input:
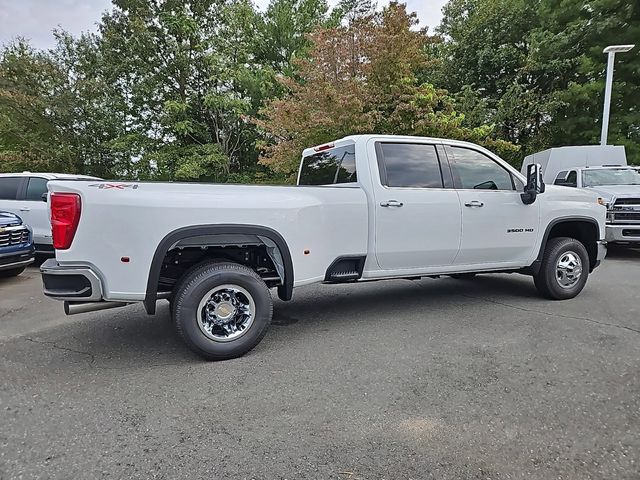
(568, 269)
(226, 312)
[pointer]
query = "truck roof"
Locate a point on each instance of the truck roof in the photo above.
(50, 175)
(602, 167)
(365, 137)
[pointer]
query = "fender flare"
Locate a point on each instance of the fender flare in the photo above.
(535, 266)
(285, 292)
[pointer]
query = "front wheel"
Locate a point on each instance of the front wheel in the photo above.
(564, 269)
(222, 310)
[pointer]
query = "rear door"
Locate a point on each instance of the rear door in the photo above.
(497, 228)
(417, 211)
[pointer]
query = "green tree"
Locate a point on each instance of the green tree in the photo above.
(536, 69)
(283, 31)
(54, 109)
(33, 115)
(360, 78)
(486, 50)
(568, 57)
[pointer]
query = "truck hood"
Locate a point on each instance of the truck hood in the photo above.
(8, 219)
(574, 194)
(610, 191)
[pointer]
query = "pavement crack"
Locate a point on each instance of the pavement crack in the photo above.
(13, 310)
(541, 312)
(65, 349)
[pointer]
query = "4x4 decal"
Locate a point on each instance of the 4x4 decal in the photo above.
(116, 186)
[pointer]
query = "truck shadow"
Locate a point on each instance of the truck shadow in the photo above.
(618, 252)
(331, 304)
(128, 339)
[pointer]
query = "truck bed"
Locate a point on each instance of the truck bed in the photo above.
(125, 219)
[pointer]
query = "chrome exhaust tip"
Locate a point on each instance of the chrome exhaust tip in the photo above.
(73, 308)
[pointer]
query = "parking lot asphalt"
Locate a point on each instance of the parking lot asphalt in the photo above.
(446, 379)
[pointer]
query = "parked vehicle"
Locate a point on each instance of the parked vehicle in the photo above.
(367, 207)
(603, 170)
(25, 195)
(16, 245)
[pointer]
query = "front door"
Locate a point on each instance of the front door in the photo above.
(497, 228)
(417, 219)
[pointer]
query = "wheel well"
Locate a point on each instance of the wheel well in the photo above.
(259, 248)
(586, 232)
(180, 259)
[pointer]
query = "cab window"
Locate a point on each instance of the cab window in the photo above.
(475, 170)
(561, 178)
(337, 165)
(413, 165)
(9, 187)
(567, 179)
(36, 187)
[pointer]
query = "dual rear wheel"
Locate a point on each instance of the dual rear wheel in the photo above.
(222, 310)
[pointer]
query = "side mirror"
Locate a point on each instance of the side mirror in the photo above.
(535, 184)
(44, 197)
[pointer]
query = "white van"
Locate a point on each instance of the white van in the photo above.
(25, 194)
(603, 170)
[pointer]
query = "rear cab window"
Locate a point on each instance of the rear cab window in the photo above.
(329, 167)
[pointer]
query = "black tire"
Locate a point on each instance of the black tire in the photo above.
(14, 272)
(463, 276)
(547, 281)
(193, 289)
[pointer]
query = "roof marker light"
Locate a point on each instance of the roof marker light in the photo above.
(326, 146)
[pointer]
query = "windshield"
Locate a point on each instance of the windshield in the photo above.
(610, 176)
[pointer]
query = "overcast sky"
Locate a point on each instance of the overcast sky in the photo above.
(35, 19)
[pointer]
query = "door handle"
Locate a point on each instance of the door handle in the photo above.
(25, 209)
(474, 203)
(391, 203)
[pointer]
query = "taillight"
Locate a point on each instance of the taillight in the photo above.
(65, 216)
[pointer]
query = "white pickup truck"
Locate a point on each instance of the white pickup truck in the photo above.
(603, 170)
(366, 207)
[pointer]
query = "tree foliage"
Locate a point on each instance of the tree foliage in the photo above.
(165, 90)
(537, 69)
(199, 89)
(361, 78)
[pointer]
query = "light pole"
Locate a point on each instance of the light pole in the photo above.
(611, 50)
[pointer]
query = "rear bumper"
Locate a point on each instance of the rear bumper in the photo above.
(17, 259)
(75, 284)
